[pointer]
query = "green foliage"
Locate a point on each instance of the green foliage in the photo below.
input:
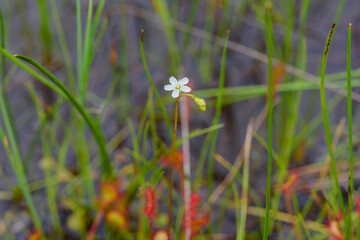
(94, 151)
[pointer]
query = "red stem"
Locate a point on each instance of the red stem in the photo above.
(96, 222)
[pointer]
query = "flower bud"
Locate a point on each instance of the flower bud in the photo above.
(201, 103)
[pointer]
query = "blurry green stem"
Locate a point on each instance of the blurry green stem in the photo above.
(270, 105)
(351, 179)
(172, 165)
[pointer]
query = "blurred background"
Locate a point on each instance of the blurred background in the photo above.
(186, 40)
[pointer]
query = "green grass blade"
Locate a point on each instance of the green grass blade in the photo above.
(245, 180)
(79, 40)
(326, 118)
(46, 161)
(3, 81)
(2, 29)
(87, 55)
(45, 33)
(237, 204)
(14, 155)
(351, 155)
(270, 105)
(63, 45)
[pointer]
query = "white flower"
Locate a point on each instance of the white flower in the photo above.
(177, 86)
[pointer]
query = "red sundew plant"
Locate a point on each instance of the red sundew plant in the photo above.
(149, 202)
(194, 218)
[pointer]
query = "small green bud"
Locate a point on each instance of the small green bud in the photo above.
(201, 103)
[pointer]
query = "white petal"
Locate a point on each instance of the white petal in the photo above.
(184, 81)
(173, 81)
(185, 89)
(169, 87)
(175, 93)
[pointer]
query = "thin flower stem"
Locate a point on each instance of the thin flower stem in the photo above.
(172, 165)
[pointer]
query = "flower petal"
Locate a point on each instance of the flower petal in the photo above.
(185, 89)
(173, 81)
(175, 93)
(169, 87)
(184, 81)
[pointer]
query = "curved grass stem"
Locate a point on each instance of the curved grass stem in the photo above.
(56, 85)
(270, 105)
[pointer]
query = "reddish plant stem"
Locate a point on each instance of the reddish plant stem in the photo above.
(172, 166)
(96, 222)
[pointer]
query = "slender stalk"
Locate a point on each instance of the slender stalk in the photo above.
(351, 179)
(237, 204)
(245, 179)
(172, 165)
(2, 29)
(326, 118)
(95, 225)
(11, 146)
(270, 105)
(79, 40)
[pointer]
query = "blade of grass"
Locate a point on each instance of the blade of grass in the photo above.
(245, 180)
(2, 29)
(3, 82)
(13, 153)
(87, 55)
(79, 40)
(237, 205)
(63, 45)
(47, 160)
(44, 30)
(326, 119)
(124, 65)
(351, 155)
(269, 45)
